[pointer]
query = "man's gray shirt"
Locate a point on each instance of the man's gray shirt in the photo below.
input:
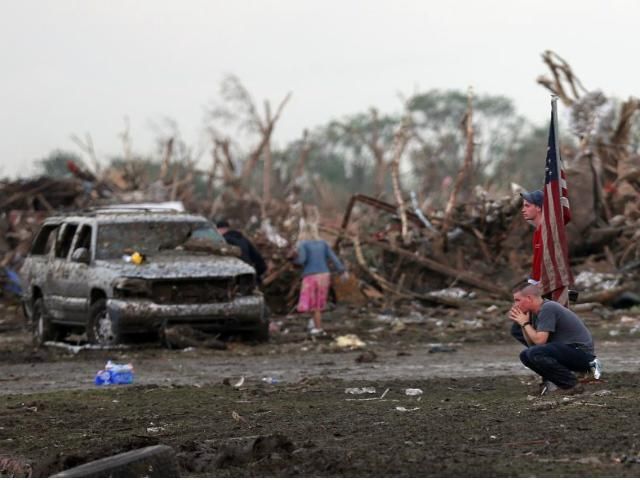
(563, 326)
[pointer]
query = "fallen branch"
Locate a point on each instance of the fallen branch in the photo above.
(276, 274)
(607, 295)
(19, 195)
(400, 293)
(438, 267)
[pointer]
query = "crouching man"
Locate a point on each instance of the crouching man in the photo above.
(559, 342)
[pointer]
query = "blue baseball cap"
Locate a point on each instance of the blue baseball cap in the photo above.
(536, 197)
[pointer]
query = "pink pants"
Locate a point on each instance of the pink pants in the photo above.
(314, 292)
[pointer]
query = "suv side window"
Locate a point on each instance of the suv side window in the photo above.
(65, 237)
(45, 239)
(83, 238)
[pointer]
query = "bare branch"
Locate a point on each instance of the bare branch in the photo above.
(561, 72)
(239, 100)
(87, 147)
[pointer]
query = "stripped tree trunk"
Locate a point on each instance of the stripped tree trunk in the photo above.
(266, 129)
(625, 164)
(267, 165)
(466, 166)
(400, 142)
(166, 159)
(300, 167)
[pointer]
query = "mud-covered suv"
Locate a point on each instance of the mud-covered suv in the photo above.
(113, 273)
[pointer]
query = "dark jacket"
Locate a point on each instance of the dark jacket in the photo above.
(250, 254)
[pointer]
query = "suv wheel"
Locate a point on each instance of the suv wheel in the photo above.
(43, 329)
(102, 330)
(261, 332)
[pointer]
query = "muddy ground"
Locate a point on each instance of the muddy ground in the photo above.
(477, 415)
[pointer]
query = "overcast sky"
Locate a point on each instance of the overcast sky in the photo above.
(77, 67)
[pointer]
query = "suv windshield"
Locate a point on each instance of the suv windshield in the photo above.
(149, 237)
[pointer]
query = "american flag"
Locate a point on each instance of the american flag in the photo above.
(556, 273)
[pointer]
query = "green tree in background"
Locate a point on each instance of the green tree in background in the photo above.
(438, 118)
(55, 164)
(352, 153)
(524, 161)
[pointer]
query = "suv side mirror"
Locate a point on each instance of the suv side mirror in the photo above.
(81, 255)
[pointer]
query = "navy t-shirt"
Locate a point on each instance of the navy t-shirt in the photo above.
(563, 326)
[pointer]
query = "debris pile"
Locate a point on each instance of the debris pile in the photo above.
(465, 253)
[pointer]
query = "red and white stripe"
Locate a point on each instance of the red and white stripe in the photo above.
(556, 213)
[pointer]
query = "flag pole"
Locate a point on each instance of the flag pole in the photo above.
(564, 296)
(554, 113)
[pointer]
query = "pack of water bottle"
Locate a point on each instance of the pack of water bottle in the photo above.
(115, 373)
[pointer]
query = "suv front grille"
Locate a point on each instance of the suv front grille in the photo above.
(201, 290)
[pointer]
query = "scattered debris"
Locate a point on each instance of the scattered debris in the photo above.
(154, 428)
(184, 336)
(589, 280)
(115, 374)
(350, 341)
(239, 418)
(602, 393)
(412, 392)
(441, 348)
(454, 292)
(404, 409)
(87, 346)
(359, 390)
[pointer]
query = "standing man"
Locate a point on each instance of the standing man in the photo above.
(532, 213)
(560, 343)
(250, 254)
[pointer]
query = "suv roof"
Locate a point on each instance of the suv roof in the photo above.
(126, 215)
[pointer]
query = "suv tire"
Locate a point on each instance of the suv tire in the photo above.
(101, 329)
(43, 329)
(261, 332)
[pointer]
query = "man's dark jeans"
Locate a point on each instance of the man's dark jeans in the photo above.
(556, 362)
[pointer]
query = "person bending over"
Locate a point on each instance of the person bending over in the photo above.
(559, 342)
(249, 253)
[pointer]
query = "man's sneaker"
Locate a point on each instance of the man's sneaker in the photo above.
(595, 367)
(547, 387)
